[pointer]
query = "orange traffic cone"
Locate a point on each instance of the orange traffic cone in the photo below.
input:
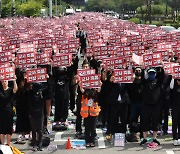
(68, 145)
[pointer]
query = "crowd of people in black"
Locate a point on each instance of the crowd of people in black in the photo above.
(141, 105)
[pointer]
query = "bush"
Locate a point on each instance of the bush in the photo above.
(176, 24)
(135, 20)
(168, 21)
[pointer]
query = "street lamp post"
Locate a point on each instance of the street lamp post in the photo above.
(0, 7)
(50, 8)
(56, 7)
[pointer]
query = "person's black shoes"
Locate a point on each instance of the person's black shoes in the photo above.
(143, 142)
(39, 149)
(156, 141)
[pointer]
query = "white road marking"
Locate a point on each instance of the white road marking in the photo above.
(169, 152)
(57, 137)
(101, 143)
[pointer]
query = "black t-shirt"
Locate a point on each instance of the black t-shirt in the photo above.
(6, 98)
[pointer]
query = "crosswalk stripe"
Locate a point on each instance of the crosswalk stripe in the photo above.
(101, 143)
(57, 137)
(170, 152)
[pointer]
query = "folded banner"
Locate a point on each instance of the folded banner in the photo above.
(36, 75)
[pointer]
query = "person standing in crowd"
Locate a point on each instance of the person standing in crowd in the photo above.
(152, 99)
(135, 95)
(6, 110)
(166, 100)
(104, 97)
(36, 114)
(89, 111)
(175, 86)
(22, 122)
(79, 134)
(118, 109)
(72, 88)
(61, 94)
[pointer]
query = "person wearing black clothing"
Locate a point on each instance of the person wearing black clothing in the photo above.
(36, 114)
(135, 95)
(151, 103)
(118, 100)
(175, 86)
(104, 96)
(22, 122)
(72, 87)
(61, 94)
(166, 100)
(6, 110)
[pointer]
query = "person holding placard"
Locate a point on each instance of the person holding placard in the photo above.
(6, 110)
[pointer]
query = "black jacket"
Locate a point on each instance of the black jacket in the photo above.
(117, 89)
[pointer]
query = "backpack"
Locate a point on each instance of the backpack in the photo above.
(45, 141)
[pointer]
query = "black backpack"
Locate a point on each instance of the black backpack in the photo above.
(45, 141)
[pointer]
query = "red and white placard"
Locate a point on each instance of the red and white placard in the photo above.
(25, 59)
(62, 60)
(5, 57)
(168, 67)
(176, 70)
(36, 75)
(42, 58)
(7, 73)
(154, 59)
(113, 63)
(83, 72)
(90, 81)
(123, 76)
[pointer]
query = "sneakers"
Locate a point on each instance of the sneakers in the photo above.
(175, 142)
(156, 141)
(143, 142)
(34, 148)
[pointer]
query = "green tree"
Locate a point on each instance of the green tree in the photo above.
(31, 8)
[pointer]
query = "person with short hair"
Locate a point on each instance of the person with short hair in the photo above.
(6, 110)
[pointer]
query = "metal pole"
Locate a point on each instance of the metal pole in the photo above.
(60, 6)
(56, 7)
(50, 8)
(0, 7)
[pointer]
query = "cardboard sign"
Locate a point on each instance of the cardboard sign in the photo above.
(113, 63)
(25, 59)
(36, 75)
(168, 67)
(5, 57)
(42, 58)
(176, 70)
(84, 72)
(62, 60)
(119, 139)
(7, 73)
(90, 81)
(123, 76)
(152, 60)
